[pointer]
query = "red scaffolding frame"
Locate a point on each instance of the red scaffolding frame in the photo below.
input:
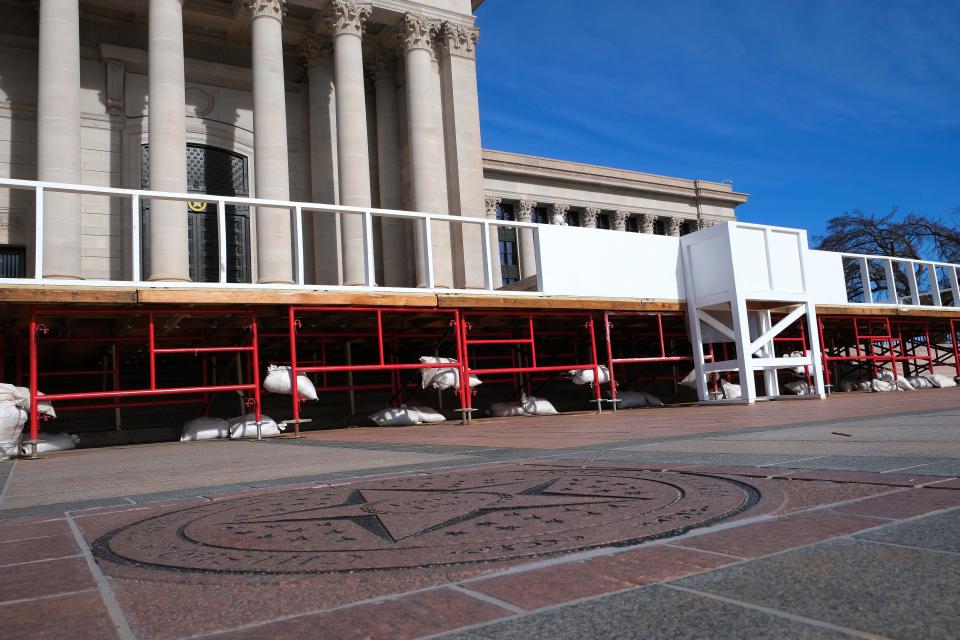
(37, 329)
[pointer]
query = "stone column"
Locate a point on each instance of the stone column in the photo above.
(490, 207)
(394, 231)
(58, 135)
(346, 21)
(590, 215)
(647, 222)
(274, 248)
(461, 122)
(558, 213)
(417, 38)
(528, 255)
(620, 220)
(317, 53)
(673, 226)
(167, 133)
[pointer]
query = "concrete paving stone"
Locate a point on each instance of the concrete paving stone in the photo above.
(812, 493)
(77, 617)
(47, 510)
(864, 477)
(904, 504)
(413, 616)
(25, 550)
(649, 613)
(26, 528)
(568, 581)
(891, 591)
(944, 468)
(786, 532)
(940, 532)
(38, 579)
(646, 454)
(860, 463)
(953, 483)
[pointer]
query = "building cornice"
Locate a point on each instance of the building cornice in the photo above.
(593, 175)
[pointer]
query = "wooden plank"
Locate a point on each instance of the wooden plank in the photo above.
(80, 294)
(467, 301)
(892, 310)
(282, 297)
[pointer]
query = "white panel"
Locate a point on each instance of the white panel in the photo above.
(825, 280)
(785, 257)
(603, 263)
(750, 256)
(712, 269)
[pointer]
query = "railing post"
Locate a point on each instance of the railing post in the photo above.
(934, 284)
(38, 234)
(136, 261)
(488, 283)
(912, 281)
(892, 294)
(298, 243)
(954, 287)
(370, 267)
(222, 240)
(865, 281)
(428, 251)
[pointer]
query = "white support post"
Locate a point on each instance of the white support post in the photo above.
(813, 335)
(954, 285)
(369, 265)
(488, 283)
(770, 378)
(136, 272)
(912, 281)
(865, 281)
(741, 327)
(222, 240)
(934, 284)
(427, 234)
(298, 244)
(892, 296)
(38, 234)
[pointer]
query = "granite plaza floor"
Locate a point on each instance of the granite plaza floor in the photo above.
(794, 519)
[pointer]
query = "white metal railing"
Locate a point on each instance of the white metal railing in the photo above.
(297, 210)
(909, 268)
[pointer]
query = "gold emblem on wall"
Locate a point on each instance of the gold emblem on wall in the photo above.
(197, 206)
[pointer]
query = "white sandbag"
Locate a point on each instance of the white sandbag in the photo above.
(585, 376)
(636, 399)
(904, 384)
(922, 382)
(205, 428)
(506, 409)
(690, 380)
(245, 426)
(880, 386)
(12, 421)
(396, 417)
(278, 381)
(798, 371)
(21, 397)
(731, 391)
(942, 381)
(443, 377)
(800, 388)
(428, 415)
(50, 442)
(533, 406)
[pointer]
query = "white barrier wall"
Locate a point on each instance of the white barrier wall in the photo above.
(827, 284)
(574, 261)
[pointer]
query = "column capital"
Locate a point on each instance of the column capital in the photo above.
(620, 219)
(590, 215)
(267, 9)
(458, 40)
(383, 65)
(673, 226)
(316, 49)
(524, 210)
(348, 17)
(558, 213)
(646, 222)
(706, 223)
(417, 32)
(490, 204)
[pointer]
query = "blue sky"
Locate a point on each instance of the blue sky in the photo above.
(812, 107)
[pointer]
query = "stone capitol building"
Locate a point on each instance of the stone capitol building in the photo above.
(360, 104)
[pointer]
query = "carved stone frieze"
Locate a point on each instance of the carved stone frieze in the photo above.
(590, 215)
(13, 223)
(558, 213)
(620, 219)
(459, 40)
(348, 17)
(417, 32)
(316, 50)
(267, 9)
(490, 206)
